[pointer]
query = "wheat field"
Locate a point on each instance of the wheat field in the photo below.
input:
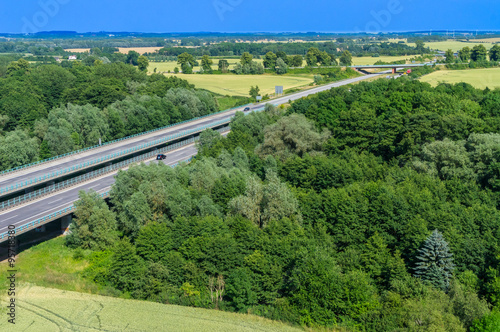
(46, 309)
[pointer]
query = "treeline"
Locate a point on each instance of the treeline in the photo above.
(372, 207)
(57, 46)
(50, 109)
(357, 48)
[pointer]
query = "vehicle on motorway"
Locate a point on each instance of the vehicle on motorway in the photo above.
(161, 157)
(246, 109)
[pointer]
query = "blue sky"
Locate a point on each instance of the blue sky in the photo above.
(248, 16)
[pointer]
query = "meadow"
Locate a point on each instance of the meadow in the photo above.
(479, 78)
(47, 309)
(239, 85)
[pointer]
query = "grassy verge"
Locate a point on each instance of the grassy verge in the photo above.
(52, 264)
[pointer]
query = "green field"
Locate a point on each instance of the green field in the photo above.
(479, 78)
(239, 85)
(46, 309)
(453, 45)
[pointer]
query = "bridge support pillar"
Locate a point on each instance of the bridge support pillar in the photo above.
(394, 70)
(65, 222)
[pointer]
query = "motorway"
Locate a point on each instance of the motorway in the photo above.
(31, 173)
(23, 214)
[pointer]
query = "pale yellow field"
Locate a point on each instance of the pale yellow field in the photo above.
(140, 50)
(454, 45)
(77, 50)
(164, 67)
(372, 60)
(479, 78)
(47, 309)
(124, 50)
(239, 85)
(489, 40)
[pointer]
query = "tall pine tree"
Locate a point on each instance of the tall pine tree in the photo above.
(435, 261)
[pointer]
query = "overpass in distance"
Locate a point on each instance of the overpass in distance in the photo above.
(40, 210)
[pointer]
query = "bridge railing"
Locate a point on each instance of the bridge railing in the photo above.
(108, 157)
(45, 219)
(84, 177)
(113, 141)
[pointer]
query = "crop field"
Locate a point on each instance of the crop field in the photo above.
(124, 50)
(371, 60)
(164, 67)
(140, 50)
(239, 85)
(454, 45)
(489, 40)
(77, 50)
(47, 309)
(479, 78)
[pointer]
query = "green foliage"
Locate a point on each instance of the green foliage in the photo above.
(478, 53)
(494, 53)
(290, 223)
(488, 323)
(94, 226)
(17, 148)
(291, 135)
(143, 63)
(346, 58)
(435, 262)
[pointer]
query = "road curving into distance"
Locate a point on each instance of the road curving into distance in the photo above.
(26, 213)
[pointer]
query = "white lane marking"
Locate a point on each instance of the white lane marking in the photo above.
(57, 200)
(10, 217)
(94, 186)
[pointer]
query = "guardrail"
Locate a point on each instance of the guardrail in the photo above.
(45, 219)
(72, 169)
(84, 177)
(114, 141)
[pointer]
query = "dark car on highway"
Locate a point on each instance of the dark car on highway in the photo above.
(246, 109)
(161, 157)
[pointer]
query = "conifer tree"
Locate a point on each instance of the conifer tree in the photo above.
(435, 261)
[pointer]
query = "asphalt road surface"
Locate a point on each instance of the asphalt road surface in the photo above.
(11, 179)
(46, 205)
(25, 213)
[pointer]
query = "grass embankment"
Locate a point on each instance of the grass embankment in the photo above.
(51, 295)
(479, 78)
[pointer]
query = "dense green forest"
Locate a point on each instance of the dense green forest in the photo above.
(358, 48)
(371, 207)
(48, 110)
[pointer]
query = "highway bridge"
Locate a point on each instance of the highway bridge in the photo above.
(394, 67)
(37, 194)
